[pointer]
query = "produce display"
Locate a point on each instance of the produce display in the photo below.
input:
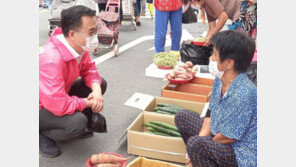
(165, 59)
(163, 129)
(183, 72)
(169, 109)
(107, 160)
(200, 39)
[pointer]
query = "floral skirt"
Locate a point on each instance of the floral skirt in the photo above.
(247, 23)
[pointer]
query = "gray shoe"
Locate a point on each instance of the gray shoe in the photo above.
(48, 147)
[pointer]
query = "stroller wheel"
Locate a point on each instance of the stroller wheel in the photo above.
(96, 52)
(116, 50)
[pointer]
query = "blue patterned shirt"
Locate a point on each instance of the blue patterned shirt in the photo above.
(235, 116)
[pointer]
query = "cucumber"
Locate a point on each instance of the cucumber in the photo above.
(165, 125)
(166, 109)
(163, 130)
(162, 134)
(163, 112)
(169, 105)
(153, 131)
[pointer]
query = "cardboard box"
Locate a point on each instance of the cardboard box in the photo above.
(158, 147)
(192, 92)
(190, 105)
(155, 146)
(145, 162)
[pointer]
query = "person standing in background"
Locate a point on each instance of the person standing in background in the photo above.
(137, 11)
(243, 13)
(165, 11)
(143, 8)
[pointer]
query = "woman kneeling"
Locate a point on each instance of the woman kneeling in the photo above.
(227, 135)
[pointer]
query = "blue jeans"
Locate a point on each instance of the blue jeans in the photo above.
(161, 22)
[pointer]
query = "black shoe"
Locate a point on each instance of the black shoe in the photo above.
(138, 23)
(87, 134)
(48, 147)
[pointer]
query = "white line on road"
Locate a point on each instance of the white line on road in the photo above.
(122, 49)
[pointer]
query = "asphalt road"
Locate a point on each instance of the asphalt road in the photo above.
(125, 75)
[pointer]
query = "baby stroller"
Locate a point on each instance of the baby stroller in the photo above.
(57, 7)
(108, 26)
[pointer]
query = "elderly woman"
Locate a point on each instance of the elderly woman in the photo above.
(227, 135)
(243, 13)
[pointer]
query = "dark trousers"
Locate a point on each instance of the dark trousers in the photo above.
(203, 151)
(62, 128)
(137, 8)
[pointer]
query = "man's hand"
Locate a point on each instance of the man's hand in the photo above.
(98, 102)
(89, 102)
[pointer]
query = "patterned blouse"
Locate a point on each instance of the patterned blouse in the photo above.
(235, 116)
(168, 5)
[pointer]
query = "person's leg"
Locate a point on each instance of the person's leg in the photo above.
(54, 128)
(176, 27)
(137, 11)
(79, 88)
(204, 152)
(61, 128)
(188, 124)
(161, 22)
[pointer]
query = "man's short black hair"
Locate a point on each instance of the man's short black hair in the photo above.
(71, 18)
(235, 45)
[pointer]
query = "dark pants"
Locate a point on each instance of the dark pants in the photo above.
(62, 128)
(203, 151)
(137, 8)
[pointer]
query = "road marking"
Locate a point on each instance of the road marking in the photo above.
(168, 42)
(44, 11)
(122, 49)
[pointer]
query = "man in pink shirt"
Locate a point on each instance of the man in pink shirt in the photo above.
(65, 100)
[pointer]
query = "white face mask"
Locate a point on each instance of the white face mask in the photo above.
(92, 43)
(213, 68)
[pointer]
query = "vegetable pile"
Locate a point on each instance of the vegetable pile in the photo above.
(200, 39)
(184, 71)
(106, 160)
(163, 129)
(169, 109)
(165, 59)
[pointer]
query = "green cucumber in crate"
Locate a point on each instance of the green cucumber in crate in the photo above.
(153, 131)
(169, 106)
(163, 130)
(167, 109)
(163, 112)
(165, 125)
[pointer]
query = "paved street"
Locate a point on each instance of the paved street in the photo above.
(125, 75)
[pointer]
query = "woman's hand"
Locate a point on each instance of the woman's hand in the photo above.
(208, 40)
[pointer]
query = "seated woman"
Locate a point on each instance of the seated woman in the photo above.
(227, 136)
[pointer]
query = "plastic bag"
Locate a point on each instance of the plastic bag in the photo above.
(252, 72)
(96, 121)
(196, 54)
(188, 15)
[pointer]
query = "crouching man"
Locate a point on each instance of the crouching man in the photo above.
(70, 86)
